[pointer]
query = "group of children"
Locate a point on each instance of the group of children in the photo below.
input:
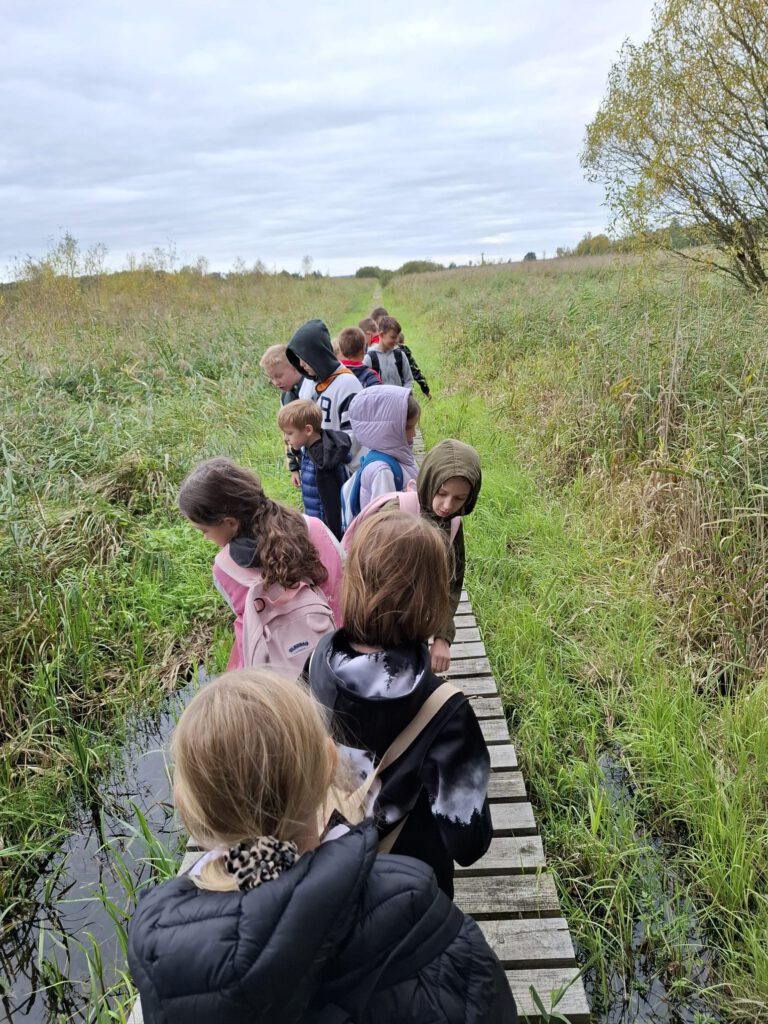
(298, 784)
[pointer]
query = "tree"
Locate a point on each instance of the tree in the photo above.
(682, 132)
(368, 272)
(529, 256)
(306, 265)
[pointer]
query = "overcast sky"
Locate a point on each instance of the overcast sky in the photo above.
(354, 133)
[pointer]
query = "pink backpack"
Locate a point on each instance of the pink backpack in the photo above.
(281, 627)
(409, 502)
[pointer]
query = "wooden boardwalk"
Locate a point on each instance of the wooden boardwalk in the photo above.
(509, 891)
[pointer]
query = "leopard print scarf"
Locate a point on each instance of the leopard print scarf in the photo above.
(260, 860)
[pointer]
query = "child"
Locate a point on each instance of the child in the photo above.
(378, 313)
(288, 381)
(384, 420)
(387, 359)
(324, 457)
(418, 376)
(275, 924)
(370, 329)
(352, 351)
(374, 676)
(227, 504)
(328, 383)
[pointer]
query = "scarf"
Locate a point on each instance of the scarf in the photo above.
(260, 860)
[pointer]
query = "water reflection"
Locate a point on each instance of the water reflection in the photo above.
(62, 949)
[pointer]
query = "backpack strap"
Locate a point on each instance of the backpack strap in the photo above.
(399, 362)
(375, 361)
(367, 460)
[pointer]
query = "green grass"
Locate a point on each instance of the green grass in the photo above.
(610, 606)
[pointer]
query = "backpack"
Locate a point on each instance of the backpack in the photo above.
(350, 492)
(409, 502)
(376, 362)
(281, 626)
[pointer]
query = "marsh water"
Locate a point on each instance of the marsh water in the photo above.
(63, 948)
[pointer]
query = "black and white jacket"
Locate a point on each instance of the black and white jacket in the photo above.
(441, 781)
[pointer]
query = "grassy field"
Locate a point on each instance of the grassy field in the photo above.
(110, 391)
(618, 571)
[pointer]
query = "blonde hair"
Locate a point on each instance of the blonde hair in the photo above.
(274, 356)
(299, 414)
(252, 758)
(395, 587)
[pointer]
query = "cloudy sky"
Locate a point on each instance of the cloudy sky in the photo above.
(354, 133)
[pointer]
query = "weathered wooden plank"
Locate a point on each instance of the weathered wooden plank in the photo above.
(573, 1003)
(464, 608)
(464, 620)
(493, 896)
(471, 649)
(463, 667)
(503, 757)
(474, 686)
(513, 819)
(463, 596)
(466, 634)
(506, 786)
(533, 942)
(495, 730)
(486, 705)
(508, 855)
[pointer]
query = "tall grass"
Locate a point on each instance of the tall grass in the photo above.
(617, 566)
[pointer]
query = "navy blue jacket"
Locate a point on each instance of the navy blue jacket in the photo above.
(343, 936)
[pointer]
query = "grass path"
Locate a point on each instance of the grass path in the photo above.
(656, 838)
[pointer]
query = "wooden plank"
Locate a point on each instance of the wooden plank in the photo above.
(486, 705)
(506, 786)
(503, 757)
(495, 730)
(474, 686)
(494, 896)
(513, 819)
(573, 1003)
(533, 942)
(464, 608)
(190, 858)
(508, 855)
(465, 634)
(471, 649)
(464, 620)
(463, 667)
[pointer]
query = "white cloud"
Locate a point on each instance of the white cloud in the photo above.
(246, 130)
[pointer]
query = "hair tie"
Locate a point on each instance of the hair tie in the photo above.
(260, 860)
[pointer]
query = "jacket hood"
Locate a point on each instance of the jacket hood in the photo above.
(263, 951)
(378, 421)
(333, 449)
(449, 458)
(312, 343)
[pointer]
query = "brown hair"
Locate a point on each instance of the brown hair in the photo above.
(252, 758)
(274, 356)
(219, 488)
(351, 342)
(369, 325)
(395, 587)
(388, 325)
(412, 410)
(299, 414)
(378, 313)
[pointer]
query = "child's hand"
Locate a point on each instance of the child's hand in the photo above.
(296, 478)
(440, 656)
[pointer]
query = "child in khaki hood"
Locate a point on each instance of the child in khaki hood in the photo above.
(448, 485)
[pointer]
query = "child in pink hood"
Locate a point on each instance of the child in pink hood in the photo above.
(384, 420)
(228, 505)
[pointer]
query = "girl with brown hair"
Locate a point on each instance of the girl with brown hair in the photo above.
(227, 503)
(375, 676)
(274, 923)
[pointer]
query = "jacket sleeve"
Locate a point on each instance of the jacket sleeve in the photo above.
(418, 376)
(447, 629)
(293, 458)
(455, 774)
(407, 375)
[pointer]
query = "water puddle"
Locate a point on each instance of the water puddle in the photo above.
(654, 988)
(63, 950)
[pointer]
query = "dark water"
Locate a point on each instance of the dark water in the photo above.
(648, 992)
(43, 965)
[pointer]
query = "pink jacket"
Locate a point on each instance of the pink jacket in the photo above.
(234, 593)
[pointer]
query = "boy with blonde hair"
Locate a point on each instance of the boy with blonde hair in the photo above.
(288, 381)
(324, 455)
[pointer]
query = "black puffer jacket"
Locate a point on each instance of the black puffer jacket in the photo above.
(341, 937)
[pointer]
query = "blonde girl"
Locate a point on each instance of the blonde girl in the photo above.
(276, 925)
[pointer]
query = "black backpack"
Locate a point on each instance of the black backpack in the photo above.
(376, 362)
